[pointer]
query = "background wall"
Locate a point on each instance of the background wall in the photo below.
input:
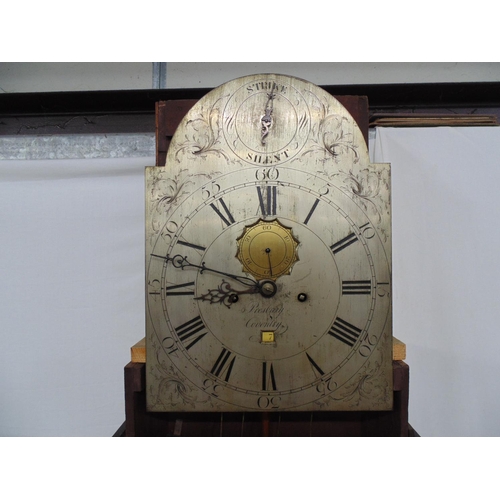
(71, 226)
(446, 273)
(58, 76)
(71, 293)
(211, 74)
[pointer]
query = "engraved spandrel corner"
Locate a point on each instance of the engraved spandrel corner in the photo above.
(171, 390)
(165, 192)
(367, 389)
(370, 188)
(202, 136)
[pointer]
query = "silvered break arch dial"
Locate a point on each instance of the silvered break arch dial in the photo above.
(268, 257)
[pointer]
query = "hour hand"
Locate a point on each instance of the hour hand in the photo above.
(225, 294)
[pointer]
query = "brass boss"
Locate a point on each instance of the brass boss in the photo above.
(267, 249)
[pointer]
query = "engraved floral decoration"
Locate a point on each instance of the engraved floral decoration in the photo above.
(172, 388)
(334, 138)
(331, 134)
(166, 192)
(368, 186)
(365, 386)
(202, 135)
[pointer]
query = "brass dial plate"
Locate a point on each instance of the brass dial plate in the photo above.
(268, 257)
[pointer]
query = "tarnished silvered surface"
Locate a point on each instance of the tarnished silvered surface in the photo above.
(279, 155)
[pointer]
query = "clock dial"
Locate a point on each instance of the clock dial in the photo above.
(267, 286)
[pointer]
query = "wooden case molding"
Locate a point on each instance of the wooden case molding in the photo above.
(133, 111)
(141, 423)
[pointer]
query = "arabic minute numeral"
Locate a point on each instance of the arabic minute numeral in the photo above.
(267, 174)
(383, 289)
(212, 190)
(268, 402)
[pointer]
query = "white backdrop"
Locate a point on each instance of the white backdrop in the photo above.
(446, 274)
(71, 293)
(72, 286)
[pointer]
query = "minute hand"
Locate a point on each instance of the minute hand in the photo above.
(180, 262)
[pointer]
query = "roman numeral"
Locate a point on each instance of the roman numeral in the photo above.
(268, 378)
(191, 245)
(344, 243)
(267, 200)
(174, 289)
(224, 364)
(314, 365)
(345, 332)
(187, 332)
(361, 287)
(227, 218)
(313, 208)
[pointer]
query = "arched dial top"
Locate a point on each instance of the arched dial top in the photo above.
(268, 257)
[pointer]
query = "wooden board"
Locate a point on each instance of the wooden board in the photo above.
(138, 351)
(398, 350)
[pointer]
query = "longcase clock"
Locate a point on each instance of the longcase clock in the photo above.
(268, 257)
